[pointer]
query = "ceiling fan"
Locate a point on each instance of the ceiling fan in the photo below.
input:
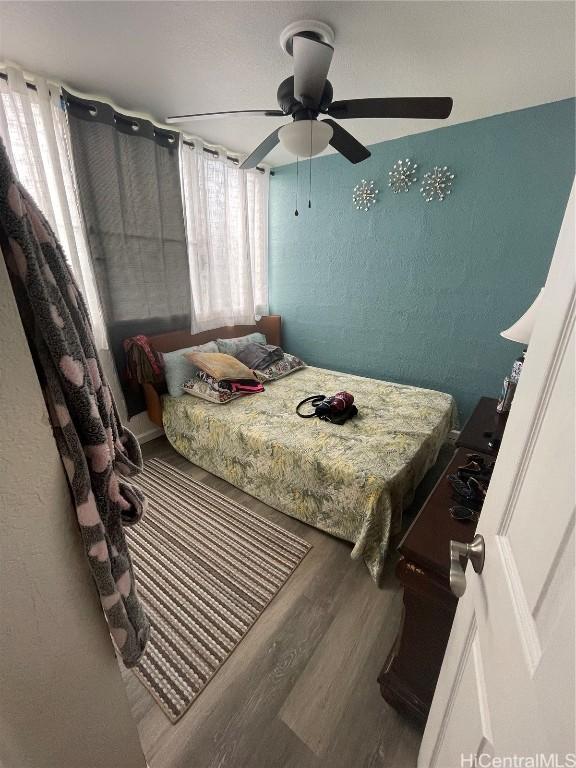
(308, 94)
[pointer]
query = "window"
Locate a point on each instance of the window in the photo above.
(35, 133)
(226, 212)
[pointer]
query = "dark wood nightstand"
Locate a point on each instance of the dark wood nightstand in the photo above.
(409, 676)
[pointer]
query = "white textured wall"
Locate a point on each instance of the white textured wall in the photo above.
(62, 701)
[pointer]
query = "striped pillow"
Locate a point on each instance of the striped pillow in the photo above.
(288, 364)
(207, 388)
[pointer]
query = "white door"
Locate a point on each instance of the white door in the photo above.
(507, 685)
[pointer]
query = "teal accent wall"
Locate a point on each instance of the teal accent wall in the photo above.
(418, 292)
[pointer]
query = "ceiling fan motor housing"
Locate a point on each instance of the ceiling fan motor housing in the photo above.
(291, 106)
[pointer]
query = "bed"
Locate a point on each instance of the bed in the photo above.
(351, 481)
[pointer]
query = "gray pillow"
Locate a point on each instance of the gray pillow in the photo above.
(233, 346)
(259, 356)
(178, 370)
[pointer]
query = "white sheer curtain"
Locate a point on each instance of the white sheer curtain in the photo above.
(35, 133)
(226, 212)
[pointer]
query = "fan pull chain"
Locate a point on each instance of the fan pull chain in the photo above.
(296, 210)
(310, 169)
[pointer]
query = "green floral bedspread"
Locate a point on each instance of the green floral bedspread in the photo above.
(351, 480)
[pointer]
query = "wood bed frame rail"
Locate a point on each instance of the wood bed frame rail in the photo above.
(269, 325)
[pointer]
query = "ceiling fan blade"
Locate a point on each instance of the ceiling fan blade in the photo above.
(346, 144)
(261, 150)
(312, 60)
(418, 107)
(213, 115)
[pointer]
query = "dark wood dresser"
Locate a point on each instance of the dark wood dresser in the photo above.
(409, 676)
(484, 429)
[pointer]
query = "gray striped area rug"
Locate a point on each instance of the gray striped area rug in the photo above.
(206, 569)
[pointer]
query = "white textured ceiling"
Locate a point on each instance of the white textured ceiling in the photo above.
(171, 57)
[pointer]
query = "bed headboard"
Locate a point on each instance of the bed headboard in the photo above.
(269, 325)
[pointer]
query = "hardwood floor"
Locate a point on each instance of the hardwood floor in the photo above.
(300, 690)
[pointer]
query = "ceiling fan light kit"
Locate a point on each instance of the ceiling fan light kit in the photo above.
(305, 138)
(308, 94)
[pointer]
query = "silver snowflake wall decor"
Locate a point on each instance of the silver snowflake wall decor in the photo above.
(437, 183)
(364, 195)
(402, 175)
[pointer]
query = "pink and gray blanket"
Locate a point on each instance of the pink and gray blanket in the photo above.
(98, 453)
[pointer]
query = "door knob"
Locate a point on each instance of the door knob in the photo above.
(460, 552)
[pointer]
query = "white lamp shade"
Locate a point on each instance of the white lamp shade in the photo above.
(521, 331)
(305, 138)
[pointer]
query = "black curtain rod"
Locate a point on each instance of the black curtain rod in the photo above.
(215, 153)
(212, 152)
(32, 87)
